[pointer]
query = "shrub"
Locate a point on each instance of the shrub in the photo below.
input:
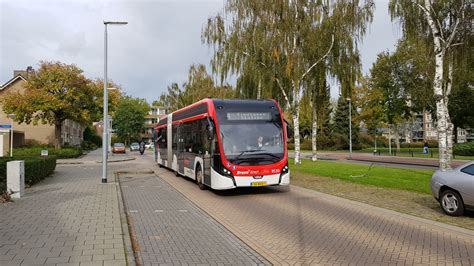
(464, 149)
(65, 152)
(91, 135)
(420, 144)
(88, 145)
(36, 169)
(366, 140)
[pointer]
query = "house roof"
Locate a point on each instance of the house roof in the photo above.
(11, 81)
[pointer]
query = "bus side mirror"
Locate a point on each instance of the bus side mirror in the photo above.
(210, 132)
(289, 131)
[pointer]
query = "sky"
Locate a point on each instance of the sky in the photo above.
(156, 48)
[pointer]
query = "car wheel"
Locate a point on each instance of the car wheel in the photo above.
(199, 178)
(451, 203)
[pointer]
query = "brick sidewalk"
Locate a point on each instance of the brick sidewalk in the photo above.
(69, 218)
(171, 230)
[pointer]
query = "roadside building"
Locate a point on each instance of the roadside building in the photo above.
(71, 131)
(151, 119)
(422, 128)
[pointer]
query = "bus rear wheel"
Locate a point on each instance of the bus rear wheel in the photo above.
(199, 178)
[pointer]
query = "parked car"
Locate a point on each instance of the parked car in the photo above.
(118, 148)
(134, 146)
(148, 145)
(454, 189)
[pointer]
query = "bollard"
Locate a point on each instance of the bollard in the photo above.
(16, 178)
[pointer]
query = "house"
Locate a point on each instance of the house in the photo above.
(71, 131)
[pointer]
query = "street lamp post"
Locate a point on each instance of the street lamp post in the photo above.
(110, 133)
(389, 140)
(106, 104)
(350, 127)
(11, 116)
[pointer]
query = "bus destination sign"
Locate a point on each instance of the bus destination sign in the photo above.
(248, 116)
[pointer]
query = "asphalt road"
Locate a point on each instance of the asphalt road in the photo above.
(291, 225)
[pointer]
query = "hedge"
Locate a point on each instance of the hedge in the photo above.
(36, 169)
(464, 149)
(63, 153)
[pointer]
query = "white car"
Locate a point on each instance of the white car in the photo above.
(148, 145)
(454, 189)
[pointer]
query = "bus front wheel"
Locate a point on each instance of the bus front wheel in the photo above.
(199, 178)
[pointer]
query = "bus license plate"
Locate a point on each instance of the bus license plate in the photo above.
(259, 184)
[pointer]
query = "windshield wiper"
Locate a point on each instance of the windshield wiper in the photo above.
(242, 153)
(270, 154)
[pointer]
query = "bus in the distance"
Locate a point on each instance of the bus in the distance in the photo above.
(224, 144)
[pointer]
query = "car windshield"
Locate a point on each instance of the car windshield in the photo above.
(134, 144)
(119, 145)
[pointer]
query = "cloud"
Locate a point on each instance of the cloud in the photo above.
(73, 44)
(156, 48)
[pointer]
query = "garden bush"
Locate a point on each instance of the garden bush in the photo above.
(420, 144)
(36, 169)
(63, 153)
(90, 135)
(464, 149)
(88, 145)
(336, 142)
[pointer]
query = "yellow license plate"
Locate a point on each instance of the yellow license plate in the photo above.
(259, 184)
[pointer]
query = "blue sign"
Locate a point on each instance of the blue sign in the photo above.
(5, 126)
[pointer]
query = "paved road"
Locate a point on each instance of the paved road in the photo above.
(171, 230)
(298, 226)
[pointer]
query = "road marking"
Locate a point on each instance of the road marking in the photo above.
(183, 210)
(159, 211)
(133, 210)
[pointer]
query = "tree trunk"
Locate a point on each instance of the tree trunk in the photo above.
(450, 129)
(314, 133)
(259, 89)
(296, 124)
(442, 114)
(397, 137)
(57, 134)
(441, 109)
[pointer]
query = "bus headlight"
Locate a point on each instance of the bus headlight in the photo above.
(227, 172)
(285, 169)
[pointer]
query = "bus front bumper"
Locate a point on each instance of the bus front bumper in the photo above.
(223, 182)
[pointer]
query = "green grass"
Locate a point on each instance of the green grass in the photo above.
(404, 152)
(417, 153)
(404, 179)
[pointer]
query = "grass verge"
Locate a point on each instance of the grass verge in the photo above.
(417, 202)
(403, 179)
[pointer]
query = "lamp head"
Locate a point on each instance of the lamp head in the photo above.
(115, 22)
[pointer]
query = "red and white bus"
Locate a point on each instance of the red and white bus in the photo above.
(224, 144)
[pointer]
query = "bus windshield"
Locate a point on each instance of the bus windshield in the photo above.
(252, 138)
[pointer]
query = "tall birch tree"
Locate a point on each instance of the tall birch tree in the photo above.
(274, 35)
(445, 24)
